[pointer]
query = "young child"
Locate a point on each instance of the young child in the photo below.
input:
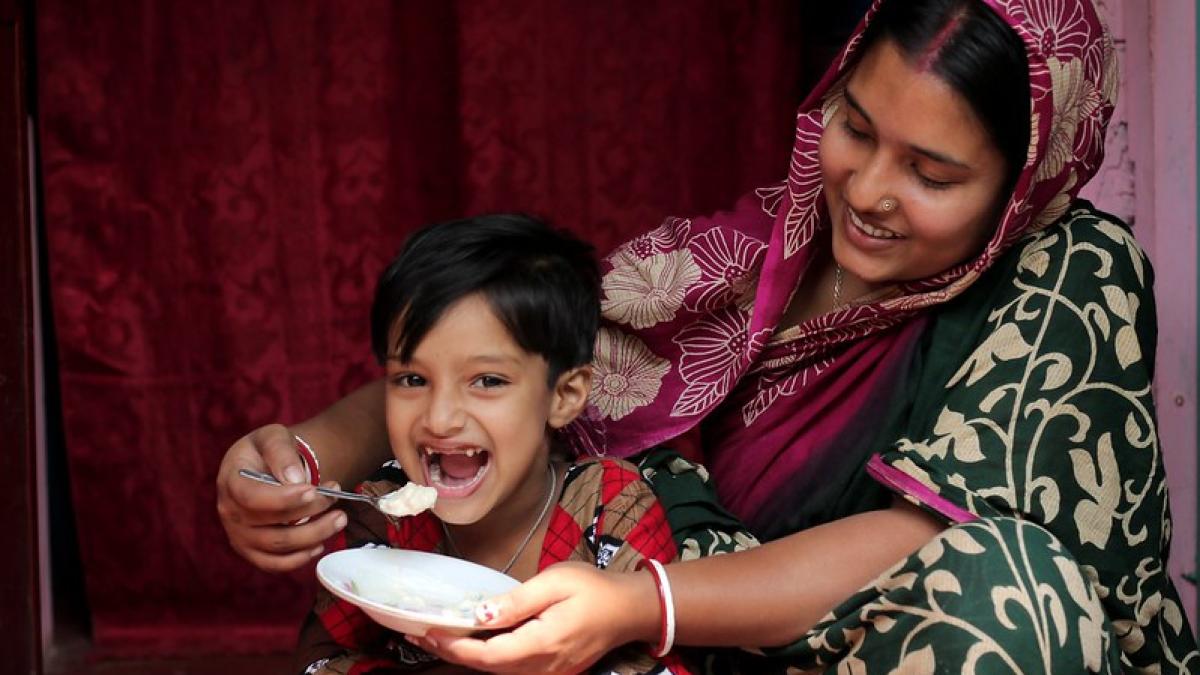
(486, 327)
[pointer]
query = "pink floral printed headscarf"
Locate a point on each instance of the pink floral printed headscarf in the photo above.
(691, 308)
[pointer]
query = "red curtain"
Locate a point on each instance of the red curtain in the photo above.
(224, 180)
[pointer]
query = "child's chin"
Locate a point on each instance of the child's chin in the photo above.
(458, 516)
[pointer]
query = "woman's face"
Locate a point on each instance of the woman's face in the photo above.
(905, 135)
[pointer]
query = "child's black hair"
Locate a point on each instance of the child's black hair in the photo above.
(542, 283)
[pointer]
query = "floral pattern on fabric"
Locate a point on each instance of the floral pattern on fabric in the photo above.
(802, 219)
(662, 289)
(999, 595)
(728, 263)
(625, 372)
(700, 525)
(771, 390)
(1048, 415)
(643, 292)
(713, 350)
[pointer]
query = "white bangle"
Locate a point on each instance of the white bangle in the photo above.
(312, 467)
(666, 603)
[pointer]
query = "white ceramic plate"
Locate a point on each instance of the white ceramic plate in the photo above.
(412, 591)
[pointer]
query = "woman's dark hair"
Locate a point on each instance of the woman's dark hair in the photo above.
(974, 51)
(541, 283)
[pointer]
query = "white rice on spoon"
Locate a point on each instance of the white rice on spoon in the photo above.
(408, 500)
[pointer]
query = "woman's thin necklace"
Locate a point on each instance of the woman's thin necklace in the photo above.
(837, 285)
(868, 296)
(528, 535)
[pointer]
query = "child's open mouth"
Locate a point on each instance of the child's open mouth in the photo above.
(455, 472)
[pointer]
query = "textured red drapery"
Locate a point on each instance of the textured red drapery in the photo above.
(223, 181)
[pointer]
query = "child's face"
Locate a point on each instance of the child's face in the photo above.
(469, 414)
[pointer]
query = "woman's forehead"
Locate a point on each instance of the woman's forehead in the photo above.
(914, 106)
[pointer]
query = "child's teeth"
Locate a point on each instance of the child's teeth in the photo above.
(471, 453)
(435, 473)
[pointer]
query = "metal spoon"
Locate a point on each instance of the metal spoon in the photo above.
(328, 492)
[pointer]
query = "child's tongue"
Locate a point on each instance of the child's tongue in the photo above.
(457, 466)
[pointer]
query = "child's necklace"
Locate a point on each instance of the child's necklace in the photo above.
(528, 535)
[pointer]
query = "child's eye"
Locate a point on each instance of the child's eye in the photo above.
(490, 381)
(407, 380)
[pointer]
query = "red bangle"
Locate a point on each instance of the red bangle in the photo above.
(311, 465)
(666, 605)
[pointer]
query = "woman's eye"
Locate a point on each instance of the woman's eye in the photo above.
(852, 131)
(490, 381)
(407, 380)
(931, 183)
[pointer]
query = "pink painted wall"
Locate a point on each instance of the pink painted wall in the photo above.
(1149, 179)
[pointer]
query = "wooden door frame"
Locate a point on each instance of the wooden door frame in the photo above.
(20, 640)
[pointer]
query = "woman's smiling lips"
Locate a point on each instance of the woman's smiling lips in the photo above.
(867, 235)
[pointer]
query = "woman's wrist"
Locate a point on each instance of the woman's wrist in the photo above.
(349, 438)
(645, 615)
(308, 455)
(666, 607)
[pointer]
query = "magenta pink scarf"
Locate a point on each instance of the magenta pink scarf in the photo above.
(691, 308)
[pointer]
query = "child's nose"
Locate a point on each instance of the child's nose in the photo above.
(445, 415)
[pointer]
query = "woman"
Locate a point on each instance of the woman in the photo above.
(921, 315)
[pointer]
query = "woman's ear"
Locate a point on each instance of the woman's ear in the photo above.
(570, 396)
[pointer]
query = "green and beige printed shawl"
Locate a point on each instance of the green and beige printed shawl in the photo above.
(1045, 413)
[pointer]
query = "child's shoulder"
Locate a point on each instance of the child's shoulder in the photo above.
(602, 479)
(606, 468)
